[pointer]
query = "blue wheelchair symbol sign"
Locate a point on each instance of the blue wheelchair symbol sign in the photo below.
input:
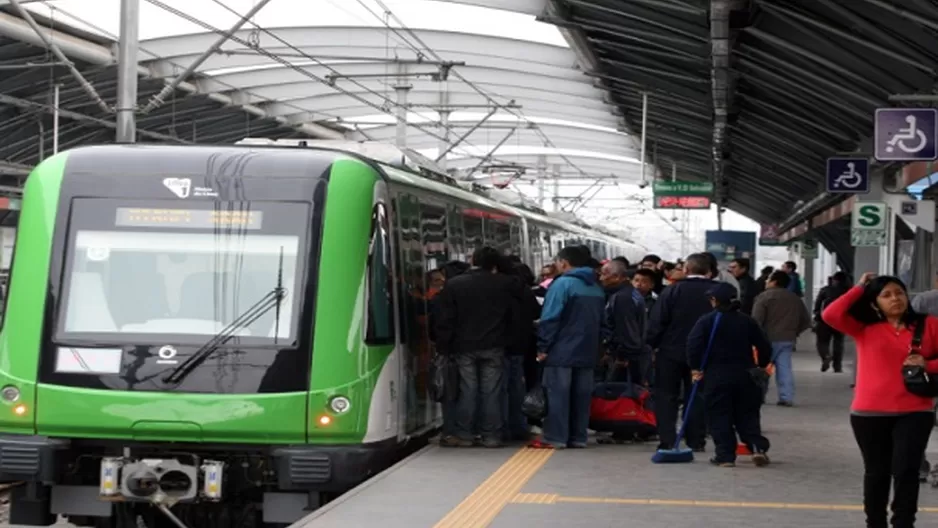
(906, 134)
(848, 175)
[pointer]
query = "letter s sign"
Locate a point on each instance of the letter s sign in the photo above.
(870, 216)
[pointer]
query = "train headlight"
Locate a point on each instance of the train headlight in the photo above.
(10, 393)
(340, 404)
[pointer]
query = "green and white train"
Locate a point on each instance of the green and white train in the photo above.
(229, 335)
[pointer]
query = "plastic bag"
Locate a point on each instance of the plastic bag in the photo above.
(535, 403)
(444, 379)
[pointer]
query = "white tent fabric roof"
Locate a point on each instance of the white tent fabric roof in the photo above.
(344, 76)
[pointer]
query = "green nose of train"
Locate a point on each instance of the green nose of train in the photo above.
(239, 329)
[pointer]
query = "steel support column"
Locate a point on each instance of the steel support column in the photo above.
(401, 90)
(444, 138)
(128, 48)
(644, 132)
(55, 120)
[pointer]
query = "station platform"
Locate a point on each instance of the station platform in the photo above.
(815, 479)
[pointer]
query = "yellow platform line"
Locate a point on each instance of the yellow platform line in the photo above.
(481, 507)
(550, 498)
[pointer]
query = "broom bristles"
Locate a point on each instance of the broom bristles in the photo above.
(673, 456)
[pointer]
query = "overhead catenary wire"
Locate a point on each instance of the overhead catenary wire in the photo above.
(491, 99)
(304, 72)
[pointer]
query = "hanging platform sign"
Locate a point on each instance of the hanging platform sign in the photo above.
(682, 195)
(682, 202)
(682, 188)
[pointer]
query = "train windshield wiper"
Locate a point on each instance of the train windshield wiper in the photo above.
(264, 305)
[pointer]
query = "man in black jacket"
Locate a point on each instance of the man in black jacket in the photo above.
(825, 334)
(625, 321)
(672, 318)
(475, 320)
(748, 289)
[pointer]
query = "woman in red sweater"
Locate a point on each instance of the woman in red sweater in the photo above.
(891, 425)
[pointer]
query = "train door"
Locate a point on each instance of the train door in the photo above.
(433, 233)
(410, 287)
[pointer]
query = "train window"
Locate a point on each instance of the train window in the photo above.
(547, 253)
(472, 226)
(456, 243)
(498, 235)
(380, 280)
(534, 243)
(515, 241)
(433, 232)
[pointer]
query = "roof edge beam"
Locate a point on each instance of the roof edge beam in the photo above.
(98, 55)
(50, 45)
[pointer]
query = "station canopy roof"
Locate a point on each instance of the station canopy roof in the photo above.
(496, 103)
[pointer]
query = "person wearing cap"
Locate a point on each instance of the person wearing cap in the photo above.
(729, 380)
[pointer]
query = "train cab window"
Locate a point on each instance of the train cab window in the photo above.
(380, 280)
(9, 252)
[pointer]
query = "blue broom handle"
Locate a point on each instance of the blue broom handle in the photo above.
(693, 392)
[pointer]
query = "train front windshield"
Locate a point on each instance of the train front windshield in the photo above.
(138, 272)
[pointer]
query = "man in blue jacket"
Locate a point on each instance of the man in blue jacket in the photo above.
(568, 347)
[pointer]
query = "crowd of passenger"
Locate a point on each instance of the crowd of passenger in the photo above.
(665, 326)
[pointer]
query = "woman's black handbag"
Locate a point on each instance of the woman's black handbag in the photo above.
(917, 380)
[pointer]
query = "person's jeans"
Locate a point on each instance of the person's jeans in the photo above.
(569, 390)
(892, 448)
(481, 375)
(784, 372)
(515, 422)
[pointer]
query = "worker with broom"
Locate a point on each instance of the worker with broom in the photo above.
(721, 344)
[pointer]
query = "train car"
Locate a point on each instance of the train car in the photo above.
(226, 335)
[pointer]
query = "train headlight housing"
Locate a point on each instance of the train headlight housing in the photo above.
(340, 404)
(10, 393)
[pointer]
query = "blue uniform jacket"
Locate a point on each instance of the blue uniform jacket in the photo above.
(572, 320)
(732, 344)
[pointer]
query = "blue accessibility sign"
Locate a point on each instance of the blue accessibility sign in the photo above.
(848, 175)
(906, 134)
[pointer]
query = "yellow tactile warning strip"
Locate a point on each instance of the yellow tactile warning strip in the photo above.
(481, 507)
(552, 498)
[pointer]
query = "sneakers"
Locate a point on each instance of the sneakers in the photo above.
(783, 403)
(455, 441)
(760, 459)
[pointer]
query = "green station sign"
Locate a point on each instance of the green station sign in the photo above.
(682, 188)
